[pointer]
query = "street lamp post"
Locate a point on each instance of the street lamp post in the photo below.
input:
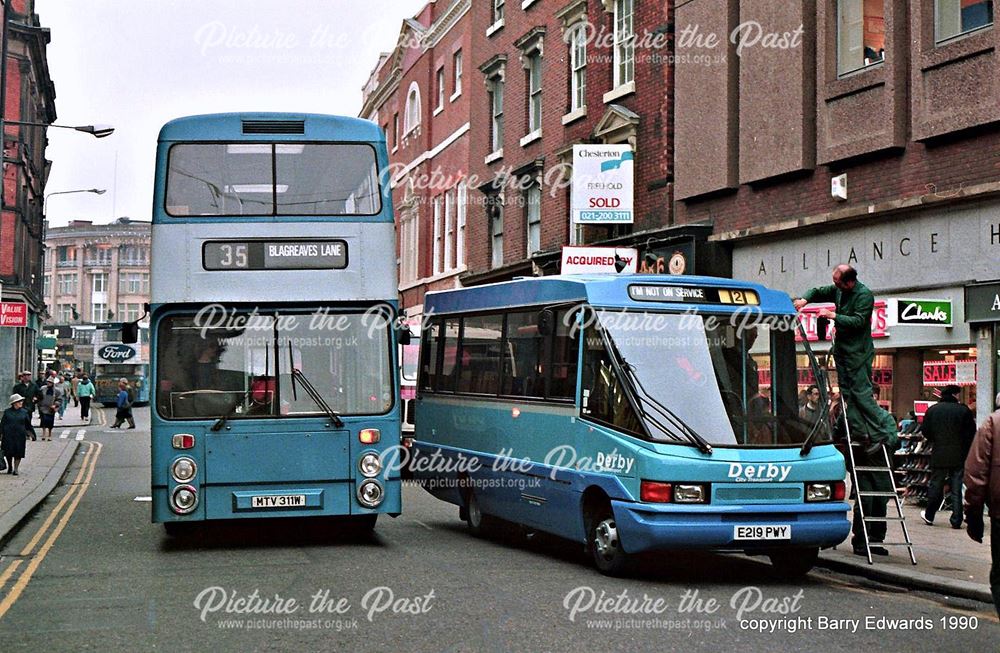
(45, 201)
(97, 131)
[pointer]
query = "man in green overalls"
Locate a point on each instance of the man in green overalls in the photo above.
(854, 353)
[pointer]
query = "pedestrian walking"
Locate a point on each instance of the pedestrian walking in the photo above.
(74, 384)
(85, 390)
(982, 487)
(15, 427)
(950, 426)
(26, 388)
(853, 354)
(62, 384)
(48, 407)
(124, 404)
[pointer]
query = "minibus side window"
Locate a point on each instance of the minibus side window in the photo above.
(604, 398)
(524, 354)
(429, 360)
(482, 337)
(565, 355)
(448, 374)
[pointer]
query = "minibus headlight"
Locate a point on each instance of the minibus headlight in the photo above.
(689, 493)
(183, 469)
(370, 494)
(370, 465)
(184, 499)
(819, 491)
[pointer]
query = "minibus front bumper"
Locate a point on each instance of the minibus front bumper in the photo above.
(650, 527)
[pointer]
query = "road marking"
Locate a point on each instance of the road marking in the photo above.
(143, 499)
(64, 435)
(80, 434)
(80, 489)
(423, 524)
(9, 571)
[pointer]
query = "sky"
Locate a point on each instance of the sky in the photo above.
(136, 64)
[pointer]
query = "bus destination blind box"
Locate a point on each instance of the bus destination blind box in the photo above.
(218, 255)
(687, 294)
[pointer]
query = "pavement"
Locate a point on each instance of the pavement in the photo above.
(948, 562)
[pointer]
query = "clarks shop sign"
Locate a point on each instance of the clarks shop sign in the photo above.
(925, 312)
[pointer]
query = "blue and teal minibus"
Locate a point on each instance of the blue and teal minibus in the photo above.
(274, 298)
(629, 413)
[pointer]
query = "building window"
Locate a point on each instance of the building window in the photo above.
(496, 112)
(460, 221)
(133, 283)
(65, 313)
(437, 235)
(395, 132)
(408, 240)
(624, 42)
(46, 285)
(495, 208)
(67, 284)
(534, 91)
(440, 88)
(860, 34)
(100, 282)
(449, 230)
(457, 65)
(497, 11)
(578, 68)
(131, 255)
(129, 312)
(99, 312)
(412, 114)
(533, 216)
(955, 17)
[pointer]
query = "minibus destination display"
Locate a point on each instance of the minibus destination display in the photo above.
(275, 255)
(681, 294)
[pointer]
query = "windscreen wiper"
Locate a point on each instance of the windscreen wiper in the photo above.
(666, 413)
(221, 422)
(316, 396)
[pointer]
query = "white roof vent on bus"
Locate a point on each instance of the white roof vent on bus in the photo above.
(274, 127)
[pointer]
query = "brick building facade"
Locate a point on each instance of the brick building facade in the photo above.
(29, 97)
(900, 104)
(420, 93)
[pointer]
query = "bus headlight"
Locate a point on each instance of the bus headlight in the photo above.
(370, 465)
(370, 494)
(184, 500)
(183, 469)
(689, 493)
(835, 491)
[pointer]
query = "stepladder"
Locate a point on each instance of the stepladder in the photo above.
(872, 477)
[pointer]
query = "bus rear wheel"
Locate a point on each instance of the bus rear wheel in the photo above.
(480, 524)
(605, 544)
(794, 563)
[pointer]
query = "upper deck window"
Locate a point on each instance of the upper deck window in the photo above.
(266, 179)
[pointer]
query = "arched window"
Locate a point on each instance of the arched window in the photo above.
(412, 118)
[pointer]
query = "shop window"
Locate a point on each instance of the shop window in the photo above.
(956, 17)
(860, 34)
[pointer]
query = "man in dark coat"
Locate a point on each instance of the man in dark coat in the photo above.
(982, 487)
(26, 388)
(950, 427)
(854, 353)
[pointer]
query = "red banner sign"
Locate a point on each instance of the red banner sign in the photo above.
(13, 314)
(808, 315)
(942, 373)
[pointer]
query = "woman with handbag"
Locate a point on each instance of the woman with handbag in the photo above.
(15, 426)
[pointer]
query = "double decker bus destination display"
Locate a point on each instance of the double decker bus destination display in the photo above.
(681, 294)
(275, 255)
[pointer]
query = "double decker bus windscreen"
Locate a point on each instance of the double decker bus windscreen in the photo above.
(258, 179)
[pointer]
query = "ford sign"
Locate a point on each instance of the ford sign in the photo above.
(116, 353)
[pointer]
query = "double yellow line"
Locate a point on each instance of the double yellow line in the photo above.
(63, 511)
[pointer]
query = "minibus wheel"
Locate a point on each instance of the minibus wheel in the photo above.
(480, 524)
(794, 563)
(605, 543)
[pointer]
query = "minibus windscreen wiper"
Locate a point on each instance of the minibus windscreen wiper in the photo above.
(665, 412)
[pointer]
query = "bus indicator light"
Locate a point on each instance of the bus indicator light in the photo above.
(369, 436)
(515, 413)
(656, 492)
(182, 441)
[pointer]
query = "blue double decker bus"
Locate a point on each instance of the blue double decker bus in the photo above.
(274, 297)
(631, 414)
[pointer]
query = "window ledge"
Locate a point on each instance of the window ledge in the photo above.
(438, 110)
(573, 116)
(455, 96)
(620, 92)
(527, 3)
(494, 28)
(532, 137)
(395, 149)
(494, 156)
